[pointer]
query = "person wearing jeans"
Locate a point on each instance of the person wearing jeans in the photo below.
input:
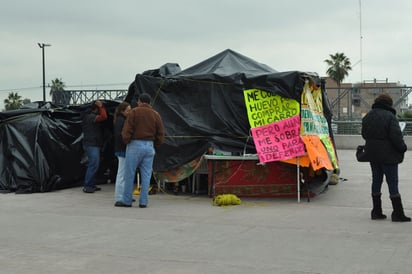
(139, 153)
(391, 173)
(119, 118)
(384, 149)
(93, 162)
(143, 132)
(92, 127)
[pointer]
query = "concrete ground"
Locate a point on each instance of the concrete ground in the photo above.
(68, 231)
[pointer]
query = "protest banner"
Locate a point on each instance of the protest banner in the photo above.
(278, 141)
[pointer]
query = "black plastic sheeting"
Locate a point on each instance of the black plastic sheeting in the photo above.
(204, 106)
(41, 148)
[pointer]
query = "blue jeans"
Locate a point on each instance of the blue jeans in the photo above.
(391, 174)
(119, 187)
(93, 161)
(139, 154)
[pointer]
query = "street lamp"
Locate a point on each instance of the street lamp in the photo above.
(42, 45)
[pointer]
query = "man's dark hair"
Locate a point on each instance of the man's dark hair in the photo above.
(145, 98)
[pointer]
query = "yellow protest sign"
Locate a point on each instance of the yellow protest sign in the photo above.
(264, 107)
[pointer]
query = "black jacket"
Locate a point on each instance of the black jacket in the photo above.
(383, 136)
(119, 146)
(92, 130)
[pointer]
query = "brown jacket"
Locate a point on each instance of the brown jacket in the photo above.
(143, 123)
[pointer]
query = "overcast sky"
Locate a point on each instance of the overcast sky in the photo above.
(104, 44)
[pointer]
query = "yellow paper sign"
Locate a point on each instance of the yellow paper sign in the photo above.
(264, 108)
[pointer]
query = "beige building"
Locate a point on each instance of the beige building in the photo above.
(353, 101)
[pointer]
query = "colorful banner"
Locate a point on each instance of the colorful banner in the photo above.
(330, 148)
(278, 141)
(313, 121)
(264, 107)
(302, 160)
(284, 129)
(317, 153)
(315, 130)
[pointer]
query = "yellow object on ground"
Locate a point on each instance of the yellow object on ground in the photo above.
(136, 191)
(152, 190)
(226, 199)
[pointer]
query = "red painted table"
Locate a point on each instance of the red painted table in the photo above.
(244, 176)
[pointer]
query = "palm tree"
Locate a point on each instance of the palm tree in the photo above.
(339, 67)
(58, 94)
(13, 101)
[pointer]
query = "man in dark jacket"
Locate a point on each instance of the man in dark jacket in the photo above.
(384, 149)
(92, 143)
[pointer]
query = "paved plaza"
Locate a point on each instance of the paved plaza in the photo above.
(68, 231)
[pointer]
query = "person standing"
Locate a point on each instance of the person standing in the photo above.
(119, 118)
(92, 127)
(384, 149)
(142, 132)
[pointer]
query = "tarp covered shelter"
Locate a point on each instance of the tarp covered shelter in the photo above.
(41, 148)
(204, 105)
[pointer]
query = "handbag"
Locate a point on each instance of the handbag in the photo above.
(361, 154)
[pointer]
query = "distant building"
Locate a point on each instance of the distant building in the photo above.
(353, 101)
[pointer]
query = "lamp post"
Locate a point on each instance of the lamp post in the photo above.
(42, 45)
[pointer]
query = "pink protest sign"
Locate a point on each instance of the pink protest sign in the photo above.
(279, 140)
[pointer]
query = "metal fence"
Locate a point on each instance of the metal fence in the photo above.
(341, 127)
(354, 127)
(85, 96)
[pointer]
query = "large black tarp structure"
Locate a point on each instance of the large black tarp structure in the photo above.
(204, 106)
(201, 106)
(41, 148)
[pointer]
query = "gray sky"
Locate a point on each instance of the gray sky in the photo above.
(104, 44)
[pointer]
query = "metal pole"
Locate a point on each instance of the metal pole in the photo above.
(44, 76)
(42, 45)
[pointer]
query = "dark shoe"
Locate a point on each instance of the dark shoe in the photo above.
(398, 215)
(142, 206)
(120, 204)
(96, 188)
(376, 213)
(88, 190)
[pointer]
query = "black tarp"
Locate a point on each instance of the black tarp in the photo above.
(204, 105)
(41, 148)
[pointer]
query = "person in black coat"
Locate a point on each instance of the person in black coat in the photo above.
(120, 149)
(384, 149)
(93, 139)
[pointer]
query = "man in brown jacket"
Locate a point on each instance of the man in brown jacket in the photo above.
(142, 132)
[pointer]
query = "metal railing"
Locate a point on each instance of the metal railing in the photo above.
(354, 127)
(85, 96)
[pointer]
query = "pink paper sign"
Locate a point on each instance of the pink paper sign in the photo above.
(278, 141)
